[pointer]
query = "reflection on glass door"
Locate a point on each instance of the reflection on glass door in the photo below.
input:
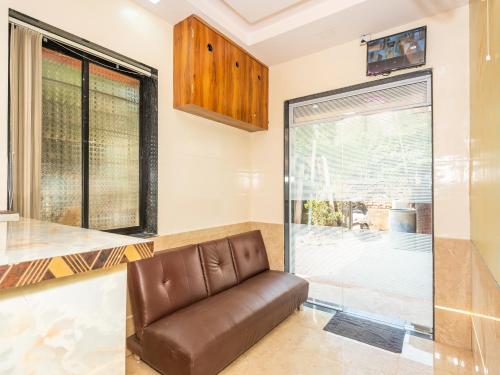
(360, 200)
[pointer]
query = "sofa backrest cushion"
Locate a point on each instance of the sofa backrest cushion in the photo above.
(249, 252)
(165, 283)
(218, 266)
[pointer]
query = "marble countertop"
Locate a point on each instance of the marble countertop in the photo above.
(32, 251)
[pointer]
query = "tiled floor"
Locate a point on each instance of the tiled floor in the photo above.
(299, 346)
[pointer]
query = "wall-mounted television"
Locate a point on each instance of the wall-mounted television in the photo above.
(398, 51)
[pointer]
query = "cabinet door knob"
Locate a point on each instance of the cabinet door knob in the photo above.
(210, 47)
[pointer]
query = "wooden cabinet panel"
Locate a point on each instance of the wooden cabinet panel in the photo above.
(257, 94)
(237, 83)
(208, 70)
(183, 64)
(216, 79)
(264, 99)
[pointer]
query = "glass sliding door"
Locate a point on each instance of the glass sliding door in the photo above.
(360, 200)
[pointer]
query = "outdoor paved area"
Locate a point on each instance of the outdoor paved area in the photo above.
(382, 273)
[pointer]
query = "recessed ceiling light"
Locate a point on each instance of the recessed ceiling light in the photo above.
(155, 1)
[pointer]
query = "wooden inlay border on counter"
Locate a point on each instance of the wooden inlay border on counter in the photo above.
(36, 271)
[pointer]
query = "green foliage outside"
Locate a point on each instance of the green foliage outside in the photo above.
(324, 213)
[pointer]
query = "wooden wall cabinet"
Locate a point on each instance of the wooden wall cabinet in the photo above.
(216, 79)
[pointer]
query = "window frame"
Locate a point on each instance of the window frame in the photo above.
(87, 59)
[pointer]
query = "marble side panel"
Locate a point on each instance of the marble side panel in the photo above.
(452, 273)
(272, 234)
(453, 329)
(485, 317)
(453, 292)
(171, 241)
(274, 239)
(70, 326)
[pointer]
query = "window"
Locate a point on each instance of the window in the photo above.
(95, 163)
(90, 142)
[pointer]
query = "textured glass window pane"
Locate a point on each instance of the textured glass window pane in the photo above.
(113, 149)
(61, 184)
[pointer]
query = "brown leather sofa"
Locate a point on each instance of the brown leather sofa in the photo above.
(197, 308)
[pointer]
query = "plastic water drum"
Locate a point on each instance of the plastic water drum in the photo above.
(403, 220)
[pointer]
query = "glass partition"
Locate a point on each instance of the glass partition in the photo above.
(360, 193)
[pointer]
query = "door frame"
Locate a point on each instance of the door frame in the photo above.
(286, 155)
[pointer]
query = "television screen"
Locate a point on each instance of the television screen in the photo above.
(398, 51)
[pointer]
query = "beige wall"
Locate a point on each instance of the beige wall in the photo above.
(211, 174)
(344, 65)
(485, 186)
(203, 166)
(485, 134)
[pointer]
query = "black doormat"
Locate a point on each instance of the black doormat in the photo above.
(371, 333)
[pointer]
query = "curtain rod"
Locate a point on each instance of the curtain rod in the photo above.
(79, 46)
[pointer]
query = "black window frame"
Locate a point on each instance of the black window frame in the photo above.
(148, 124)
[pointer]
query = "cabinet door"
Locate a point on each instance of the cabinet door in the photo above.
(258, 76)
(209, 76)
(265, 98)
(237, 83)
(182, 64)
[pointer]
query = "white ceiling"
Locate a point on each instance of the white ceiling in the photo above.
(257, 10)
(279, 30)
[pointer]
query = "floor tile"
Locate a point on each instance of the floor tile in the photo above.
(299, 346)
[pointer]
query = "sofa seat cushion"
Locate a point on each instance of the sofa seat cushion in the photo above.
(205, 337)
